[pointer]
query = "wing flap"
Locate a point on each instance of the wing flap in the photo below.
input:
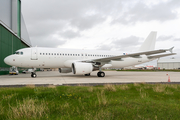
(162, 55)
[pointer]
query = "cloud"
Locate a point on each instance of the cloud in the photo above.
(129, 44)
(142, 12)
(49, 41)
(167, 38)
(125, 42)
(104, 47)
(164, 38)
(69, 34)
(68, 19)
(177, 39)
(86, 22)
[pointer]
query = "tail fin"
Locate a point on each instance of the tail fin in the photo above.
(149, 43)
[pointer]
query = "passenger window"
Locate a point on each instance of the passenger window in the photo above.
(43, 53)
(40, 53)
(49, 54)
(52, 53)
(57, 53)
(46, 53)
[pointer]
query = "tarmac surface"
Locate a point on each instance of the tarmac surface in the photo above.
(112, 77)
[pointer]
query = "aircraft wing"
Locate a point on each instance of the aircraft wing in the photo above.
(135, 55)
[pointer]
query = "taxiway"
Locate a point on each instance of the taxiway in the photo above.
(112, 77)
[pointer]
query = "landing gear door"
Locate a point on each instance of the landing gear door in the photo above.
(34, 54)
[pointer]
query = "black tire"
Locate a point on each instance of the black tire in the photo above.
(33, 75)
(100, 74)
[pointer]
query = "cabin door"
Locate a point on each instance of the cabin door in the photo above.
(34, 54)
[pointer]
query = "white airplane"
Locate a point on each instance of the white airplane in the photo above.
(83, 62)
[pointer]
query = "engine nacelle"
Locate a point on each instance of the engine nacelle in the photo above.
(82, 68)
(65, 70)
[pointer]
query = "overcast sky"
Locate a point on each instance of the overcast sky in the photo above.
(102, 24)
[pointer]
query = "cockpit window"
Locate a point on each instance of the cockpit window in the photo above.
(18, 53)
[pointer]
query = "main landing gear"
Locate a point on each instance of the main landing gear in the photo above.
(100, 74)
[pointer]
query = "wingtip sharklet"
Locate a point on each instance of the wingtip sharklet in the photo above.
(170, 50)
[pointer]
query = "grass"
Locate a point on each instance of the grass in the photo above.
(127, 101)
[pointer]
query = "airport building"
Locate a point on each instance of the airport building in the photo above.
(13, 32)
(168, 63)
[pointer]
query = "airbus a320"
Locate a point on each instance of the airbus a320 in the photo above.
(83, 62)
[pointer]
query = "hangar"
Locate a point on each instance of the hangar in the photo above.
(13, 32)
(168, 63)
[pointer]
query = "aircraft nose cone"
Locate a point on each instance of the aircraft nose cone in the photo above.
(7, 60)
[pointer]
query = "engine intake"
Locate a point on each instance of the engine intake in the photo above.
(82, 68)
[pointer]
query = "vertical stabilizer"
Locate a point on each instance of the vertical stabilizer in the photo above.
(149, 43)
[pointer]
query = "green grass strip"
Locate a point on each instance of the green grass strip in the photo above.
(127, 101)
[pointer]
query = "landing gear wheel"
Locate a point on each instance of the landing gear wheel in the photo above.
(33, 75)
(100, 74)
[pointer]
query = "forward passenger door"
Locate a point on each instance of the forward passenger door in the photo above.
(34, 53)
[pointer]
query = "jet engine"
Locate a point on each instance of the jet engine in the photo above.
(82, 68)
(65, 70)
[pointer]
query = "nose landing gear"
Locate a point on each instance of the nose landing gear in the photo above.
(33, 73)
